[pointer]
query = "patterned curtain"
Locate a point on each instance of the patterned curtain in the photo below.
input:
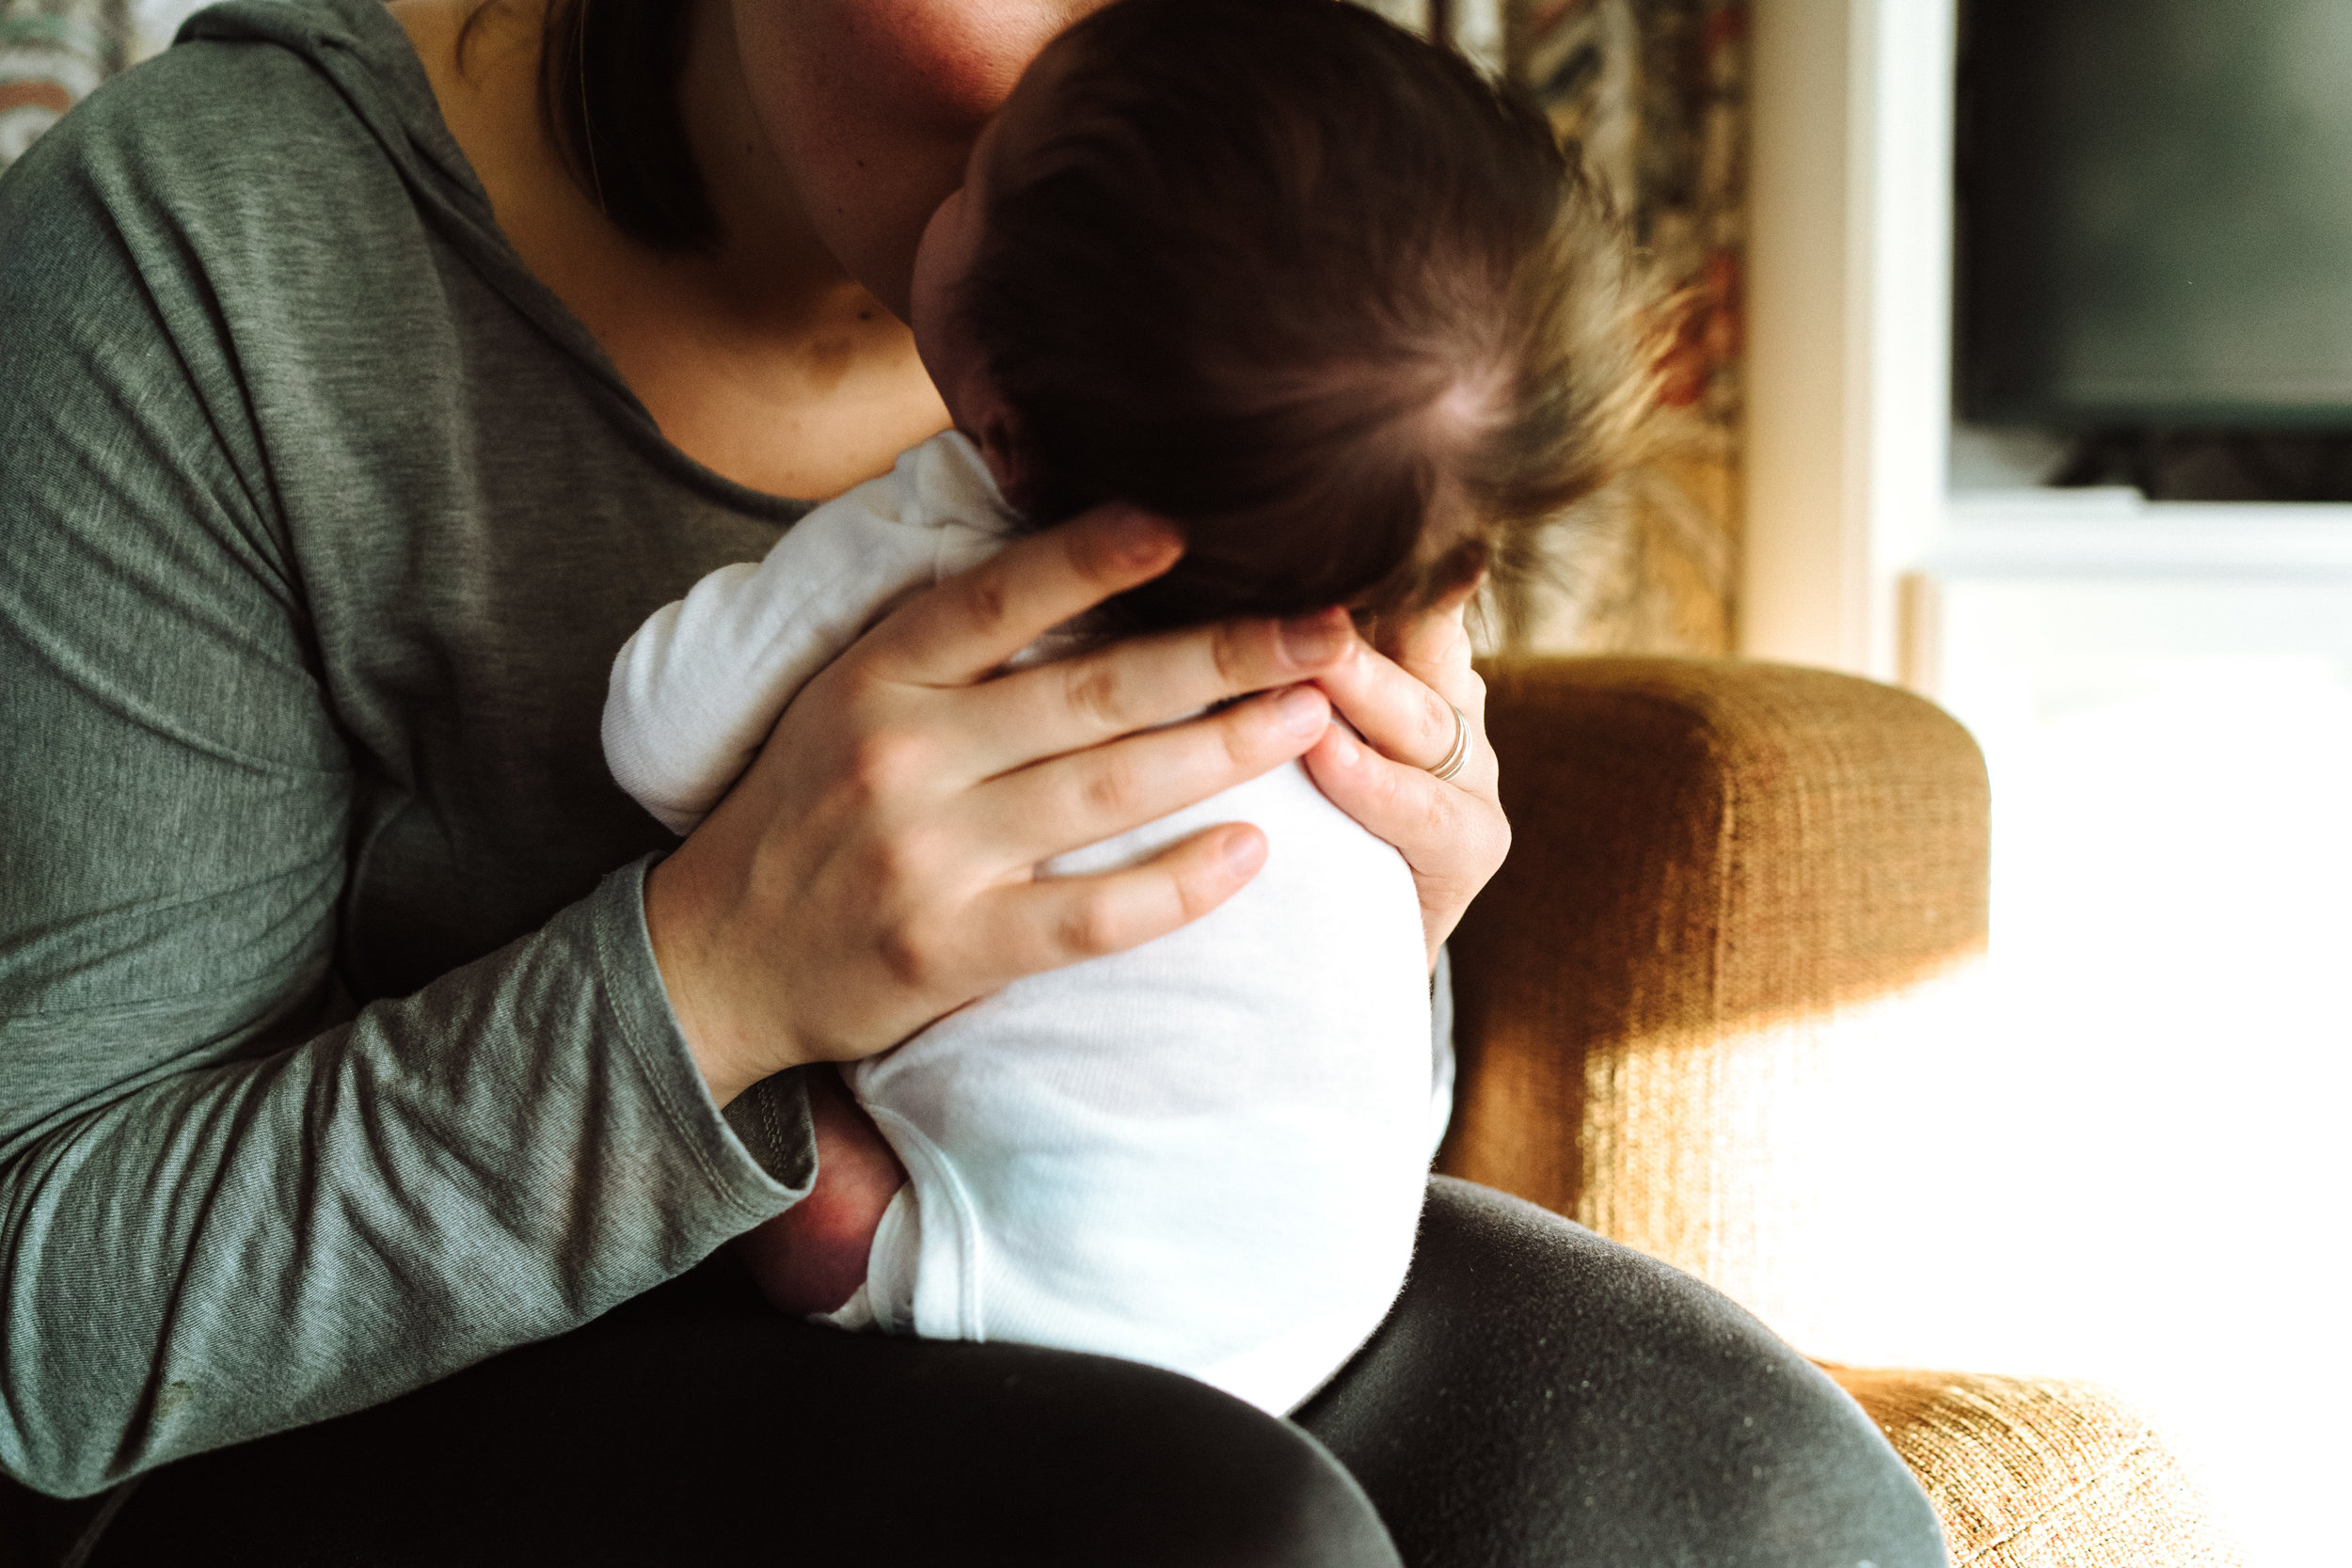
(1655, 92)
(52, 51)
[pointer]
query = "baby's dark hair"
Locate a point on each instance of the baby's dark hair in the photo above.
(1310, 287)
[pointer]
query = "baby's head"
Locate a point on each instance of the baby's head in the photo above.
(1298, 282)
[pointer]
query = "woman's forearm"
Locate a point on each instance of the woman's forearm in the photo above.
(273, 1238)
(227, 1205)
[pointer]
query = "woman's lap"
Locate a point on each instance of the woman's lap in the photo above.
(1537, 1396)
(697, 1426)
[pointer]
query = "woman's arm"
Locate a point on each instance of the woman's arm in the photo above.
(228, 1203)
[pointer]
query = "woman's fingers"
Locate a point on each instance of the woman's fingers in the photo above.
(1406, 706)
(1452, 836)
(1037, 813)
(1052, 922)
(957, 632)
(1436, 647)
(1429, 820)
(1452, 832)
(962, 631)
(1142, 682)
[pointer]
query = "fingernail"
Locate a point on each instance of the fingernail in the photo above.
(1244, 853)
(1140, 539)
(1314, 639)
(1346, 749)
(1301, 712)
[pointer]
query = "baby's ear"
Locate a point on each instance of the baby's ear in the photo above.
(1001, 450)
(1438, 587)
(1460, 571)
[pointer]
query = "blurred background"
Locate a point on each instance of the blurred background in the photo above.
(2016, 366)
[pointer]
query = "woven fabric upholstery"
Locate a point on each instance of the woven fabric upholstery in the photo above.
(1732, 887)
(1728, 882)
(2030, 1472)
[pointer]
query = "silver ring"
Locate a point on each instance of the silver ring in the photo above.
(1460, 754)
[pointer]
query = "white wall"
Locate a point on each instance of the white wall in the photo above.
(2143, 1182)
(1848, 296)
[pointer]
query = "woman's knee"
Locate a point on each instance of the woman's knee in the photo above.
(1541, 1395)
(1084, 1460)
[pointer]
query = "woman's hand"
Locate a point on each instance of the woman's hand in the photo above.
(1452, 832)
(875, 868)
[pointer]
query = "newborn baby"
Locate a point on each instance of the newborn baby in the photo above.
(1309, 287)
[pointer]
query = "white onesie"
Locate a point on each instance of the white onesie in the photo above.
(1208, 1152)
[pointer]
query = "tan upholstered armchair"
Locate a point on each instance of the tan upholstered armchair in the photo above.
(1725, 875)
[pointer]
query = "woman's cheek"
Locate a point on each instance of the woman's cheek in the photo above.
(872, 106)
(959, 59)
(928, 65)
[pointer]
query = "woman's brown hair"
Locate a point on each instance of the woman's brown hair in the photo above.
(608, 75)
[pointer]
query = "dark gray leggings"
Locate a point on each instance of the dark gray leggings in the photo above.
(1538, 1396)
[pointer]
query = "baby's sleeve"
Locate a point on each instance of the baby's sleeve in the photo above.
(694, 693)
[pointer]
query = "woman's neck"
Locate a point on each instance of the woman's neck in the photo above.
(762, 360)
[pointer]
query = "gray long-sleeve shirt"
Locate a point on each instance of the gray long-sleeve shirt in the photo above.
(332, 1054)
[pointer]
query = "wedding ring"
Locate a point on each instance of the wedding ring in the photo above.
(1460, 754)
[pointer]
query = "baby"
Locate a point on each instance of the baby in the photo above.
(1308, 287)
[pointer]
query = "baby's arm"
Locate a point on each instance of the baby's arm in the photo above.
(695, 691)
(699, 686)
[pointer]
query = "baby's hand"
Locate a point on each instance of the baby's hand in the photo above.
(812, 1257)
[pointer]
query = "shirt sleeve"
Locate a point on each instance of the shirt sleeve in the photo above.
(231, 1203)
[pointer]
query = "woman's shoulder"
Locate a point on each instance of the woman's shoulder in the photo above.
(213, 270)
(259, 206)
(267, 118)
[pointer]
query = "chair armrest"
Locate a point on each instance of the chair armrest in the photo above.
(2034, 1472)
(1717, 868)
(1732, 887)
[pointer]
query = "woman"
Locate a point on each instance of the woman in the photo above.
(368, 1084)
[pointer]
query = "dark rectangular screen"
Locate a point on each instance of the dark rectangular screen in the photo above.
(2156, 212)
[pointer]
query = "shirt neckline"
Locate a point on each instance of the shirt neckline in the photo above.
(369, 56)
